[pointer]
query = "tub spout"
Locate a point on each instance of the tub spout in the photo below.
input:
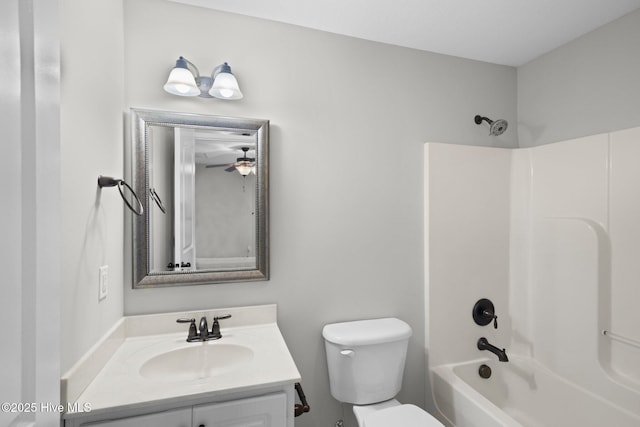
(483, 344)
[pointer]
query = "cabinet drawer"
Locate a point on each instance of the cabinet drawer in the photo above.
(262, 411)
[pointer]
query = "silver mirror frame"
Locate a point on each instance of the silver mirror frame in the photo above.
(141, 119)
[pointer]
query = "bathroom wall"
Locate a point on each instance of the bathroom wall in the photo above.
(586, 87)
(91, 121)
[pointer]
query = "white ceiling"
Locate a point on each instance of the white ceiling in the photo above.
(508, 32)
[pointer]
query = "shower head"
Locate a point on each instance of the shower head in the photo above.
(495, 127)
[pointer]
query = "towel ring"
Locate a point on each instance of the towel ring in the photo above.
(156, 198)
(106, 181)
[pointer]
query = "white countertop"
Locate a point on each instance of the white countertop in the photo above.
(120, 384)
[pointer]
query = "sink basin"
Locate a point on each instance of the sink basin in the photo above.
(201, 360)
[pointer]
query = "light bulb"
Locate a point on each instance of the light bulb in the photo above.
(181, 82)
(225, 86)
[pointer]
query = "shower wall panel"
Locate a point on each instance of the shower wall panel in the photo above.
(567, 213)
(580, 251)
(623, 322)
(552, 235)
(466, 246)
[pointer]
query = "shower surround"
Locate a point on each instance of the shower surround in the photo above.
(551, 235)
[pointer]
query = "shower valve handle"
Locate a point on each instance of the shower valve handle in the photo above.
(487, 313)
(484, 312)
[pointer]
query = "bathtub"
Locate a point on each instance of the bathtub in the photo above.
(520, 392)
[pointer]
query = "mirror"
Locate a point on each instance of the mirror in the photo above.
(203, 183)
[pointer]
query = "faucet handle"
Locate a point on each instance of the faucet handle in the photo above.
(215, 328)
(493, 316)
(193, 333)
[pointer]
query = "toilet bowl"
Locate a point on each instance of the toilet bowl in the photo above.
(366, 361)
(393, 413)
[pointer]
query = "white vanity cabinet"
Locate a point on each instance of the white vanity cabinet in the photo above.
(261, 411)
(142, 376)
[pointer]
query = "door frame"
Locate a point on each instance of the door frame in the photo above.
(31, 215)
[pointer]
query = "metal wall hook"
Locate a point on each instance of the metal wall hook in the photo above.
(107, 181)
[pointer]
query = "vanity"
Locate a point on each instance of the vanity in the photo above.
(202, 187)
(145, 373)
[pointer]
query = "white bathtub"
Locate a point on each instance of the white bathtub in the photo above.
(520, 392)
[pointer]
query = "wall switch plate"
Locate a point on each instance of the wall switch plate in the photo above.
(103, 282)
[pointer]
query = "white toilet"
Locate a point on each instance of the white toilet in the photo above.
(366, 361)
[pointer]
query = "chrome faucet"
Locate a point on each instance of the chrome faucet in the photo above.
(483, 344)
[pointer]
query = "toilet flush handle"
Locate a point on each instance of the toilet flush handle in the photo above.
(348, 353)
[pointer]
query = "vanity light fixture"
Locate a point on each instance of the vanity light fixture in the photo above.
(185, 80)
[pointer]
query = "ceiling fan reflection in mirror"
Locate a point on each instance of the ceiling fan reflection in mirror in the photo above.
(244, 165)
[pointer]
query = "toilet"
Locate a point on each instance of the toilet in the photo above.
(366, 362)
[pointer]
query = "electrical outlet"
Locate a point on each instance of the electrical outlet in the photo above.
(103, 282)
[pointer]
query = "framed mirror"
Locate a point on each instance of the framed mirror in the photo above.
(204, 184)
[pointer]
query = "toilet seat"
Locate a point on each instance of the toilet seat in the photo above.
(402, 415)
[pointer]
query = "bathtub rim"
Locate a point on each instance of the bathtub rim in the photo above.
(447, 373)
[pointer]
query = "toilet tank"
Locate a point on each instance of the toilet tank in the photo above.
(366, 359)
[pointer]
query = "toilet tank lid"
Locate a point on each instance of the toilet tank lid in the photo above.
(367, 332)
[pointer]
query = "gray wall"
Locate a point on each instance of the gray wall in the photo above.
(91, 131)
(588, 86)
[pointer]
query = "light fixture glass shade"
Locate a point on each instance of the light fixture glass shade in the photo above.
(181, 81)
(225, 85)
(244, 168)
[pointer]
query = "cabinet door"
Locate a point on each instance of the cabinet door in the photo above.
(263, 411)
(176, 418)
